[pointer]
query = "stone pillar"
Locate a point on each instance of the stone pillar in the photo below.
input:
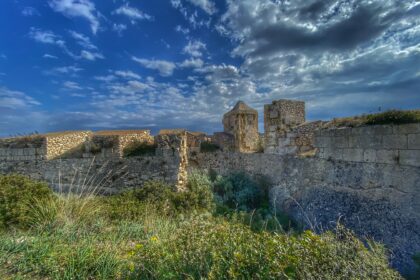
(174, 146)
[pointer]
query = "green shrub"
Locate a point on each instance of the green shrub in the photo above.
(163, 198)
(238, 191)
(197, 196)
(206, 248)
(208, 147)
(17, 194)
(415, 275)
(138, 148)
(393, 117)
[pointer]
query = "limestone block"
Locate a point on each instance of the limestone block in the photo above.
(336, 154)
(365, 141)
(381, 129)
(353, 155)
(407, 128)
(340, 142)
(342, 132)
(414, 141)
(394, 141)
(323, 142)
(410, 157)
(369, 155)
(387, 156)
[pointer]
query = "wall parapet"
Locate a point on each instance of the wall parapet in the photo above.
(390, 144)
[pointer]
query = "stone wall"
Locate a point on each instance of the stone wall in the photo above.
(111, 143)
(280, 117)
(224, 140)
(23, 148)
(380, 201)
(58, 144)
(390, 144)
(103, 176)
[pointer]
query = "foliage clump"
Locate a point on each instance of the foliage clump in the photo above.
(17, 194)
(395, 117)
(216, 249)
(139, 148)
(208, 147)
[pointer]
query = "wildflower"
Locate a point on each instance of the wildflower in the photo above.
(154, 238)
(131, 266)
(139, 246)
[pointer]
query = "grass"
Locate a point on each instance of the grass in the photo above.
(155, 233)
(388, 117)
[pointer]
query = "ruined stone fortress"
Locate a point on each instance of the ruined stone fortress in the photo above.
(366, 177)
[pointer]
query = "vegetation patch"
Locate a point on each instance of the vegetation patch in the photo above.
(389, 117)
(138, 148)
(154, 232)
(208, 147)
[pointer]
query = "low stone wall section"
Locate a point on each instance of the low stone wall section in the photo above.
(390, 144)
(23, 148)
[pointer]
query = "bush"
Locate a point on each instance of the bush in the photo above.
(138, 148)
(207, 248)
(17, 194)
(208, 147)
(198, 195)
(239, 191)
(393, 117)
(163, 198)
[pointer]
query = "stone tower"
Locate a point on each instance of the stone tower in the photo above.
(242, 123)
(280, 117)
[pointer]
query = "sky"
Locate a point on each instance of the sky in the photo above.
(141, 64)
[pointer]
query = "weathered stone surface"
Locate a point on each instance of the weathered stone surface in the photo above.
(414, 141)
(396, 141)
(242, 123)
(410, 157)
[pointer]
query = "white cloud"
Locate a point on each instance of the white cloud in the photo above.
(165, 68)
(207, 5)
(64, 70)
(106, 79)
(15, 99)
(92, 56)
(133, 13)
(183, 30)
(192, 63)
(127, 74)
(46, 37)
(30, 11)
(72, 85)
(77, 8)
(119, 28)
(49, 56)
(82, 40)
(194, 48)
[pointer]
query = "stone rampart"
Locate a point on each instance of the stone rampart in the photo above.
(390, 144)
(379, 201)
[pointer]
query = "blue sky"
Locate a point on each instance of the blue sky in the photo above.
(85, 64)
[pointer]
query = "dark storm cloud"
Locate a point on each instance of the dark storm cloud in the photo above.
(363, 25)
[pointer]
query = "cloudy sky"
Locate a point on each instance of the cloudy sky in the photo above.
(92, 64)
